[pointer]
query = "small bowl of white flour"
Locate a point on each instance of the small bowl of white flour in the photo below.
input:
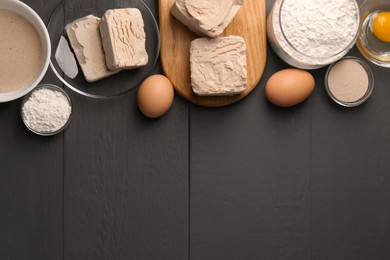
(46, 110)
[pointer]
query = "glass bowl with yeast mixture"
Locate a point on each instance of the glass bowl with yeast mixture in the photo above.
(65, 65)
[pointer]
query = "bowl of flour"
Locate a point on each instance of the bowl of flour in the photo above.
(46, 110)
(311, 34)
(24, 49)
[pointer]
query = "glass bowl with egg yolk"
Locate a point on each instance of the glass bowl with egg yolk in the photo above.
(374, 32)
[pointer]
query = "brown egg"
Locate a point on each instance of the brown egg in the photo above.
(155, 96)
(289, 87)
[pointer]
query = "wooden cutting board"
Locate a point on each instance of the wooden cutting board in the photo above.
(249, 23)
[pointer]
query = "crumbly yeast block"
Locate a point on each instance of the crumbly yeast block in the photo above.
(206, 17)
(218, 66)
(84, 37)
(124, 38)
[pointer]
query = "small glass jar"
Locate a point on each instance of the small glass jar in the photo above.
(54, 110)
(298, 31)
(345, 80)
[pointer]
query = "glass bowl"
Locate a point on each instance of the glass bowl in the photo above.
(283, 25)
(115, 85)
(346, 82)
(372, 48)
(26, 98)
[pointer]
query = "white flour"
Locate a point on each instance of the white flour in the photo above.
(313, 32)
(46, 110)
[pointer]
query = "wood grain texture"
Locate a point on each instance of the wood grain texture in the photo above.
(175, 45)
(126, 180)
(350, 198)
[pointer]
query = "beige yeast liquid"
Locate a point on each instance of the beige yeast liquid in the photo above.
(21, 54)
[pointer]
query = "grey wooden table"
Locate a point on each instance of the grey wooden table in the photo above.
(247, 181)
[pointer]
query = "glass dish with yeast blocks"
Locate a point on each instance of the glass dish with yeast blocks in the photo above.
(98, 57)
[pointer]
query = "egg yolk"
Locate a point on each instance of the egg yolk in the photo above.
(381, 26)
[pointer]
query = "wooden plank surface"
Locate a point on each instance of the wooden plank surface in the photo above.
(249, 23)
(350, 195)
(126, 183)
(305, 183)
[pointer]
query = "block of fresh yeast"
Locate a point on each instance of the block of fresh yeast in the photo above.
(84, 37)
(206, 17)
(124, 38)
(218, 66)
